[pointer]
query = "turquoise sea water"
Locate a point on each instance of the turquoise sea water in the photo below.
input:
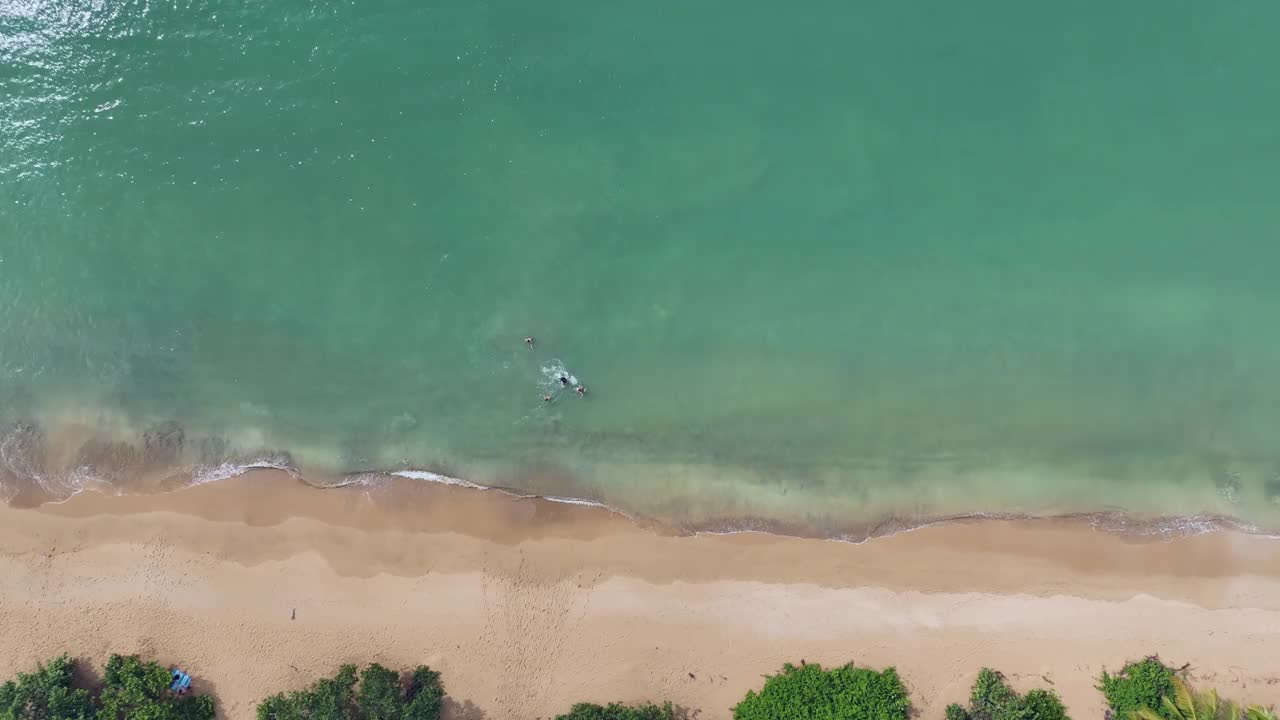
(818, 266)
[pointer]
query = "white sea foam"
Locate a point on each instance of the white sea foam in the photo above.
(15, 462)
(1172, 526)
(438, 478)
(202, 474)
(18, 446)
(578, 501)
(459, 482)
(552, 373)
(80, 479)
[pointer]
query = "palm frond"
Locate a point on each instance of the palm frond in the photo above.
(1183, 699)
(1207, 705)
(1173, 711)
(1148, 714)
(1257, 712)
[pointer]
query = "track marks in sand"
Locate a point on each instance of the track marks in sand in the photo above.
(41, 576)
(1233, 675)
(529, 620)
(163, 570)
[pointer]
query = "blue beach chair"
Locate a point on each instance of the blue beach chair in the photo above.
(181, 681)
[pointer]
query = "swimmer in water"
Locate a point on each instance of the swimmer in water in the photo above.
(581, 390)
(529, 341)
(564, 380)
(546, 398)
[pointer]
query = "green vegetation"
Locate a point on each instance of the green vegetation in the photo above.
(1150, 690)
(382, 695)
(135, 690)
(993, 699)
(1138, 685)
(618, 711)
(1187, 704)
(810, 693)
(46, 694)
(131, 690)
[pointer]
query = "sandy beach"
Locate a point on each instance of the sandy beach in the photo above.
(259, 584)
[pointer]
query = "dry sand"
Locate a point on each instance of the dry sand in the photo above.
(527, 606)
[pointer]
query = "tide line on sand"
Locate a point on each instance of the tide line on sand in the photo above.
(1165, 527)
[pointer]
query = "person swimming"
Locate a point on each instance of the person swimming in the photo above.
(581, 390)
(547, 398)
(564, 380)
(529, 341)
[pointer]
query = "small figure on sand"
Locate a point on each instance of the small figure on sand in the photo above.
(528, 340)
(581, 390)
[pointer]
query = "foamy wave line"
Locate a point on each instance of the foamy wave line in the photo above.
(438, 478)
(1174, 526)
(203, 474)
(1167, 527)
(578, 501)
(75, 482)
(429, 476)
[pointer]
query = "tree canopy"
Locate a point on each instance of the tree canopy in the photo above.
(46, 694)
(131, 690)
(137, 690)
(618, 711)
(993, 699)
(1138, 685)
(381, 695)
(810, 693)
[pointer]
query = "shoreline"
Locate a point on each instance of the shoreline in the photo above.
(1118, 521)
(60, 455)
(527, 606)
(269, 499)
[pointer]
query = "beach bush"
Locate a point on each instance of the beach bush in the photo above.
(136, 690)
(1187, 704)
(381, 695)
(810, 693)
(1042, 704)
(993, 699)
(326, 699)
(424, 696)
(618, 711)
(46, 694)
(1138, 685)
(131, 690)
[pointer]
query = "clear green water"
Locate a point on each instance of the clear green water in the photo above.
(827, 266)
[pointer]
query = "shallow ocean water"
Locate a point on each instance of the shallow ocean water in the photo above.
(815, 268)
